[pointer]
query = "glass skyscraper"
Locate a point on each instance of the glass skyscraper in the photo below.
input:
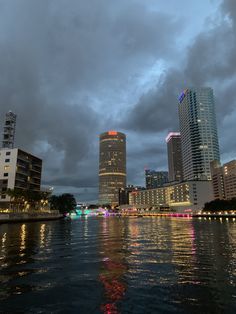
(112, 167)
(155, 179)
(199, 139)
(174, 153)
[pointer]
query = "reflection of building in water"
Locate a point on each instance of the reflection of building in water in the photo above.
(177, 196)
(183, 249)
(113, 267)
(19, 244)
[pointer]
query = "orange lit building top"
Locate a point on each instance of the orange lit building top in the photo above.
(112, 132)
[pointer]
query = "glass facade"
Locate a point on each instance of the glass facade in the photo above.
(199, 139)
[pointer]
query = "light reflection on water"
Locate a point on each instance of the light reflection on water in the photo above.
(119, 265)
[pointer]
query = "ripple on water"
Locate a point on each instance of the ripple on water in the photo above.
(111, 265)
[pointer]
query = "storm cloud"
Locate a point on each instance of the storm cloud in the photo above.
(73, 69)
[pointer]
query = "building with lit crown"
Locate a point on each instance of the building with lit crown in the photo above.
(174, 153)
(112, 166)
(199, 139)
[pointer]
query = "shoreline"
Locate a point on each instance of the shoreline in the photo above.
(28, 217)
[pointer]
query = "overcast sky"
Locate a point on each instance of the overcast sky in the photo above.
(71, 69)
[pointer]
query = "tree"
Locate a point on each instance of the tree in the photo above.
(65, 203)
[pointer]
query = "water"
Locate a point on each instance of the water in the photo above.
(119, 265)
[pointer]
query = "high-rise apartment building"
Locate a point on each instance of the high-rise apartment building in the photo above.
(155, 179)
(199, 140)
(9, 130)
(18, 170)
(173, 141)
(112, 166)
(224, 179)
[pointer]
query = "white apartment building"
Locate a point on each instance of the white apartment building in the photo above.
(18, 169)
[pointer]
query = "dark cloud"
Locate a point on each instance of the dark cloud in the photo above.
(73, 69)
(209, 61)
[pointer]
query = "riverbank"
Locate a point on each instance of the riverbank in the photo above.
(202, 215)
(29, 216)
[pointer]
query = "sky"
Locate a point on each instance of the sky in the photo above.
(72, 69)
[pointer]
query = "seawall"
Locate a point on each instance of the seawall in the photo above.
(30, 216)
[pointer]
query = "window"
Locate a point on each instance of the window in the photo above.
(7, 160)
(5, 174)
(6, 167)
(8, 153)
(3, 196)
(4, 181)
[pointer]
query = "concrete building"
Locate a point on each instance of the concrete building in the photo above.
(199, 139)
(224, 179)
(174, 153)
(112, 167)
(179, 197)
(9, 130)
(124, 193)
(18, 170)
(155, 179)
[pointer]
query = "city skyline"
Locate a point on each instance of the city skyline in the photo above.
(85, 76)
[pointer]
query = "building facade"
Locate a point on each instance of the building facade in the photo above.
(189, 195)
(112, 167)
(18, 170)
(155, 179)
(224, 180)
(199, 139)
(124, 193)
(9, 130)
(174, 153)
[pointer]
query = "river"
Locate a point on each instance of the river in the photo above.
(119, 265)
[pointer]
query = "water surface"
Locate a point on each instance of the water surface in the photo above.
(119, 265)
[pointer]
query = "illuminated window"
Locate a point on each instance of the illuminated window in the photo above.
(6, 167)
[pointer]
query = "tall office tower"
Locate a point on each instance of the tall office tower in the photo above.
(199, 140)
(155, 179)
(9, 130)
(112, 167)
(174, 156)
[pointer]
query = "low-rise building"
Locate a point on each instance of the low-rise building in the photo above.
(124, 194)
(190, 195)
(18, 170)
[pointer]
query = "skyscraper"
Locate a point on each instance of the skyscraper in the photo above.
(199, 140)
(9, 130)
(173, 141)
(112, 166)
(155, 179)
